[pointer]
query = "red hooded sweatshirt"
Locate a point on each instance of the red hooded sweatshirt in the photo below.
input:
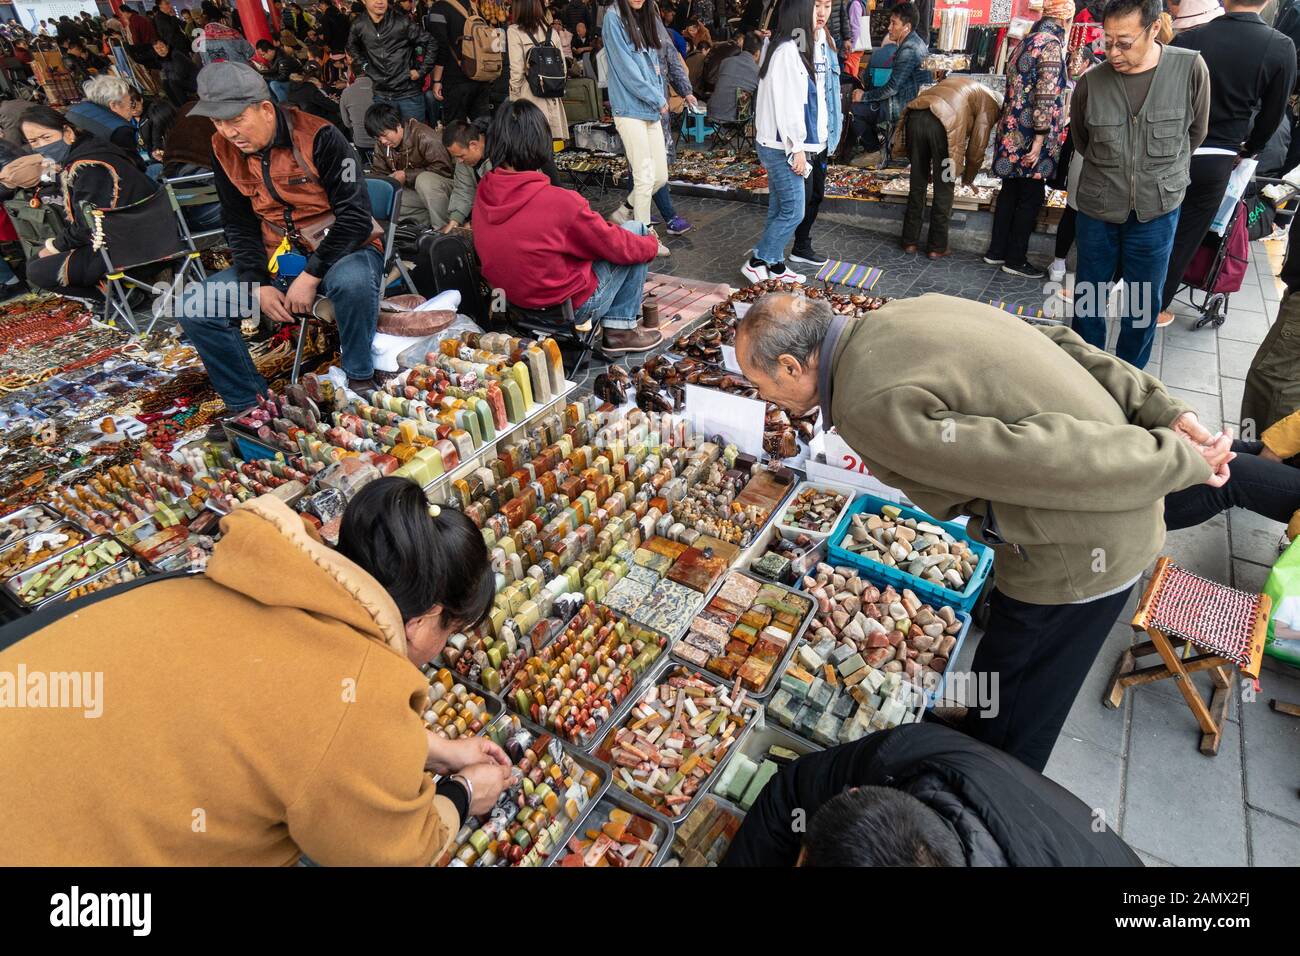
(536, 242)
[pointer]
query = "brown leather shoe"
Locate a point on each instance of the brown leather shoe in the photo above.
(910, 248)
(619, 341)
(938, 253)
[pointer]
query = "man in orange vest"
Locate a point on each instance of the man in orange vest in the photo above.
(289, 183)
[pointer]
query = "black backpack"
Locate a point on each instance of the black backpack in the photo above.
(544, 67)
(448, 262)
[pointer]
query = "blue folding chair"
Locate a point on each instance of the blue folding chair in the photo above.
(385, 194)
(385, 202)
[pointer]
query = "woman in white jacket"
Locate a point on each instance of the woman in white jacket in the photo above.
(797, 125)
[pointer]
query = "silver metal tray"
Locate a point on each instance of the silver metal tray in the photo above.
(723, 804)
(658, 675)
(30, 511)
(598, 815)
(63, 595)
(779, 668)
(16, 581)
(601, 770)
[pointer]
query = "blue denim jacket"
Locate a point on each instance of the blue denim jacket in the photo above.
(834, 109)
(635, 85)
(906, 78)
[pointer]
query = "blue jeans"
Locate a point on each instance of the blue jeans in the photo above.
(1138, 253)
(351, 284)
(785, 199)
(663, 201)
(616, 303)
(279, 89)
(410, 107)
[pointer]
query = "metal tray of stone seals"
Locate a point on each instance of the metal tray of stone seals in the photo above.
(61, 596)
(60, 528)
(756, 745)
(29, 512)
(783, 661)
(497, 732)
(598, 814)
(495, 706)
(672, 860)
(660, 675)
(792, 531)
(18, 581)
(619, 709)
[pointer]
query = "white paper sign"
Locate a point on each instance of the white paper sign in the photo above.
(740, 420)
(729, 359)
(844, 465)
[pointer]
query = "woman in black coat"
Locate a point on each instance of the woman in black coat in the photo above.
(90, 171)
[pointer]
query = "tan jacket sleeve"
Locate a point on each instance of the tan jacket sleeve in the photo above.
(1142, 396)
(515, 50)
(1076, 464)
(1283, 437)
(369, 802)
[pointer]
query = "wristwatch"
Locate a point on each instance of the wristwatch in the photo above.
(463, 780)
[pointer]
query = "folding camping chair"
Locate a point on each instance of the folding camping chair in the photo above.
(737, 133)
(385, 202)
(191, 192)
(558, 322)
(385, 199)
(1227, 627)
(142, 235)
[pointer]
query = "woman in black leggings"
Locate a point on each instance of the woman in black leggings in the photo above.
(1266, 487)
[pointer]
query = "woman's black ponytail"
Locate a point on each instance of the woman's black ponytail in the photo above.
(420, 560)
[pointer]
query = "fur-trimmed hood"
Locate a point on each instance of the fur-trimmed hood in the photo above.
(266, 554)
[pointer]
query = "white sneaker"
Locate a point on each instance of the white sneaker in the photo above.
(621, 215)
(1056, 271)
(755, 274)
(787, 275)
(663, 250)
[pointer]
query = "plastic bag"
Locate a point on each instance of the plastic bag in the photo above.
(1283, 586)
(1237, 183)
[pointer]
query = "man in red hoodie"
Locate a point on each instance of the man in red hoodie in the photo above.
(541, 244)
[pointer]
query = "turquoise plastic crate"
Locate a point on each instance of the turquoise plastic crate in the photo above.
(883, 573)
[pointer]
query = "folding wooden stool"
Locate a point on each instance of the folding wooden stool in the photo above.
(1227, 627)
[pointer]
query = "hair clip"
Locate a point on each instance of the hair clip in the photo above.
(434, 511)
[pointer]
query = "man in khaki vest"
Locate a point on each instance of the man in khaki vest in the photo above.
(1136, 118)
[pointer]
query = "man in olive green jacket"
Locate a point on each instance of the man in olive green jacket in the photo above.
(1060, 453)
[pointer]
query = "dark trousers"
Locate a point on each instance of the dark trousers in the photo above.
(1065, 232)
(1273, 383)
(1019, 200)
(75, 273)
(866, 117)
(814, 191)
(466, 100)
(1204, 193)
(1039, 655)
(1268, 488)
(927, 148)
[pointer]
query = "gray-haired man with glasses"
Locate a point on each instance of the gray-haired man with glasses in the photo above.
(1136, 119)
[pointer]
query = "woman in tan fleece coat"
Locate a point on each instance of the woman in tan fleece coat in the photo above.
(267, 709)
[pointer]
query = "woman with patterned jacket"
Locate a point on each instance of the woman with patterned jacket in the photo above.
(1028, 140)
(90, 171)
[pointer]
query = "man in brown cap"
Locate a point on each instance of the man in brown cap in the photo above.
(289, 183)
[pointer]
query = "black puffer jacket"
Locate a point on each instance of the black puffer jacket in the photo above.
(1004, 813)
(387, 52)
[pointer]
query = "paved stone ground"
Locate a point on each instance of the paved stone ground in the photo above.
(1140, 763)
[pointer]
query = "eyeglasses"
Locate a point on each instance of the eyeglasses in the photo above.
(1122, 45)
